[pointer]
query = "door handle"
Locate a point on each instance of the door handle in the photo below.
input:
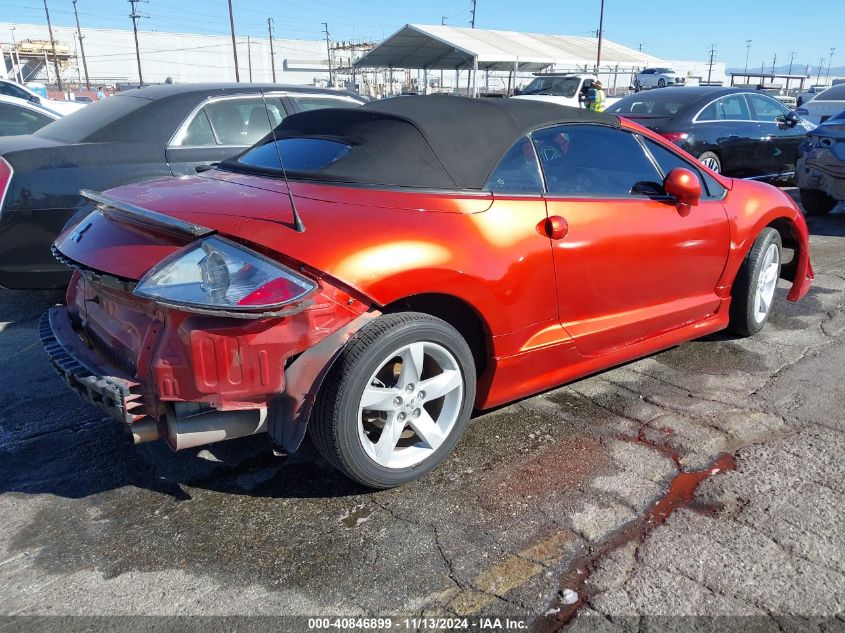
(554, 227)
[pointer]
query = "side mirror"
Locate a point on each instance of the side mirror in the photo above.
(683, 185)
(788, 120)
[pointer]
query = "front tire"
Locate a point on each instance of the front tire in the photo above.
(396, 401)
(661, 83)
(816, 202)
(754, 287)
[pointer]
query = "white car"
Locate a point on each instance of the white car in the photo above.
(20, 116)
(824, 106)
(14, 89)
(811, 93)
(657, 78)
(567, 90)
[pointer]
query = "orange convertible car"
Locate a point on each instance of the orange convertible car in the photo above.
(419, 258)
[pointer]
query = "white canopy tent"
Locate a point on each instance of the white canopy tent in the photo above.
(432, 47)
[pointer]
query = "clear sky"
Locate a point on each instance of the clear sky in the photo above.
(670, 29)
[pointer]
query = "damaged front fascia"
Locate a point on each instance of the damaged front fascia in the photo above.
(291, 410)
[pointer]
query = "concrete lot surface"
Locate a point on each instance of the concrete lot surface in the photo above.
(546, 502)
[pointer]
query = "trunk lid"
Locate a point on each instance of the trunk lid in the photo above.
(251, 209)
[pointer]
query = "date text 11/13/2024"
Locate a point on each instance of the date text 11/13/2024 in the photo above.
(416, 624)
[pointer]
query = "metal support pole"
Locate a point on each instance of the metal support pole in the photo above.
(475, 76)
(328, 52)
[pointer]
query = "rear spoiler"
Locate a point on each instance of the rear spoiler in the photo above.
(128, 212)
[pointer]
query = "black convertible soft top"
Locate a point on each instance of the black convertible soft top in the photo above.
(435, 141)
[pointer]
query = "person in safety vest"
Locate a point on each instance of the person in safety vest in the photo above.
(596, 98)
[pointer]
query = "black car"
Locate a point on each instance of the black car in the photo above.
(736, 131)
(140, 134)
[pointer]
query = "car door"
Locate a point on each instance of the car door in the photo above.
(222, 128)
(780, 147)
(725, 126)
(631, 264)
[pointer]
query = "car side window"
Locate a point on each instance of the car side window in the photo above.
(11, 90)
(668, 160)
(318, 103)
(729, 108)
(236, 122)
(595, 161)
(517, 171)
(199, 132)
(767, 109)
(15, 120)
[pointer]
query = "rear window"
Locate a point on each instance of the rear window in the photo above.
(298, 154)
(87, 121)
(837, 93)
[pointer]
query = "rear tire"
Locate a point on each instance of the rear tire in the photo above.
(711, 161)
(661, 83)
(408, 375)
(754, 287)
(817, 202)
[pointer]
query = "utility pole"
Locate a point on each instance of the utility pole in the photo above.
(774, 61)
(16, 70)
(830, 63)
(472, 20)
(747, 53)
(601, 32)
(81, 47)
(821, 67)
(249, 56)
(640, 48)
(328, 52)
(791, 60)
(135, 17)
(710, 65)
(234, 45)
(53, 46)
(442, 23)
(272, 56)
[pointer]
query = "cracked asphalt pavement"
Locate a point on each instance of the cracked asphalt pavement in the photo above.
(546, 511)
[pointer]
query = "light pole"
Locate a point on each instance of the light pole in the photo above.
(53, 46)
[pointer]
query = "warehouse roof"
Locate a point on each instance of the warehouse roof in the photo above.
(450, 47)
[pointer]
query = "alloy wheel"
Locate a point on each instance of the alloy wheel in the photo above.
(766, 283)
(410, 405)
(711, 163)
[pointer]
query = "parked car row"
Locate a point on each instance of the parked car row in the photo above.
(166, 130)
(371, 274)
